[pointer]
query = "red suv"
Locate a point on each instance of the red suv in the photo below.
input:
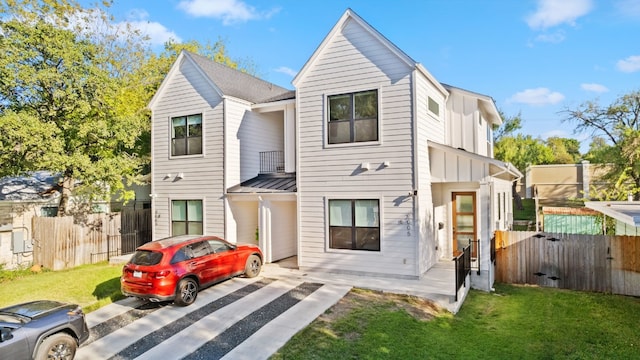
(176, 268)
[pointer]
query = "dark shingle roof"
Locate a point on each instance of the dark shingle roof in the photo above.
(267, 183)
(238, 84)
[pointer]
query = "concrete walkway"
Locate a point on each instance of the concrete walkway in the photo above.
(237, 319)
(437, 285)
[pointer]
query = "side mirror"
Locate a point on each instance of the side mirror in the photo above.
(5, 334)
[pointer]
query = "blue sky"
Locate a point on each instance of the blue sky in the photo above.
(534, 57)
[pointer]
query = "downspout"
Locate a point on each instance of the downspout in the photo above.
(224, 169)
(414, 180)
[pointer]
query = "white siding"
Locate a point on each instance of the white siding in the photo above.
(188, 93)
(429, 127)
(463, 115)
(283, 230)
(356, 61)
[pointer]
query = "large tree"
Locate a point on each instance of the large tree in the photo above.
(62, 103)
(518, 149)
(619, 125)
(564, 150)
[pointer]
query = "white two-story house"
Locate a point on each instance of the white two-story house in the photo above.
(370, 166)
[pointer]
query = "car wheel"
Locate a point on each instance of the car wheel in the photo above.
(187, 292)
(253, 266)
(57, 346)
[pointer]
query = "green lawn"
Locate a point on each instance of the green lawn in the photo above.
(511, 323)
(514, 322)
(90, 286)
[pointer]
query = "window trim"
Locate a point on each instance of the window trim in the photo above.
(171, 200)
(170, 136)
(431, 113)
(359, 252)
(325, 127)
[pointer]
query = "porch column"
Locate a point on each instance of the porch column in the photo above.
(264, 228)
(289, 139)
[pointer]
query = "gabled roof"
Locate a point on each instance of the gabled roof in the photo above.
(350, 15)
(486, 103)
(228, 81)
(35, 186)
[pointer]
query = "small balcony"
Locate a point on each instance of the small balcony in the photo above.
(271, 162)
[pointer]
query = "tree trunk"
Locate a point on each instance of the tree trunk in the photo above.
(516, 197)
(65, 195)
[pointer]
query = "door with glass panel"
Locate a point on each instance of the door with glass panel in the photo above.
(464, 222)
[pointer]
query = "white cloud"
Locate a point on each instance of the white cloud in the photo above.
(97, 21)
(157, 33)
(286, 70)
(552, 13)
(594, 88)
(229, 11)
(630, 64)
(554, 38)
(537, 97)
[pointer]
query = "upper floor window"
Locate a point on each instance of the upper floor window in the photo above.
(186, 135)
(433, 107)
(353, 117)
(354, 224)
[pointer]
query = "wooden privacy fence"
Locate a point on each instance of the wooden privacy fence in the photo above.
(64, 242)
(570, 261)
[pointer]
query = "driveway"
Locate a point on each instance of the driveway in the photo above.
(237, 319)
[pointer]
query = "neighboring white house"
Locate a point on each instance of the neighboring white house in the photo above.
(371, 166)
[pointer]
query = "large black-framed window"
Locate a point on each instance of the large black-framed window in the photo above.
(186, 217)
(353, 117)
(354, 224)
(186, 135)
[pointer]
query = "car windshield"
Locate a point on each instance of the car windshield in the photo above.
(12, 318)
(146, 257)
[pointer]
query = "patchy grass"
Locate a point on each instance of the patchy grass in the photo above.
(90, 286)
(512, 323)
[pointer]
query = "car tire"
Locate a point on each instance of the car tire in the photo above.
(187, 292)
(57, 346)
(253, 266)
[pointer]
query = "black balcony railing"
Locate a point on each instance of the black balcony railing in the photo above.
(271, 162)
(463, 268)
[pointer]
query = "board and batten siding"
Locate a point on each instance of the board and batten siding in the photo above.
(356, 61)
(187, 93)
(462, 112)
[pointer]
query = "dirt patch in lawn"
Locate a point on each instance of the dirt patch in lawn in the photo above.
(421, 309)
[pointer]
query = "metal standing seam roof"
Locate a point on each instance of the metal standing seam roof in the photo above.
(233, 82)
(266, 183)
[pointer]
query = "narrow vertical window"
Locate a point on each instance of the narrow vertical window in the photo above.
(433, 106)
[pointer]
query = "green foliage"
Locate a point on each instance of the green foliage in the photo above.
(74, 88)
(58, 87)
(522, 151)
(616, 130)
(565, 150)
